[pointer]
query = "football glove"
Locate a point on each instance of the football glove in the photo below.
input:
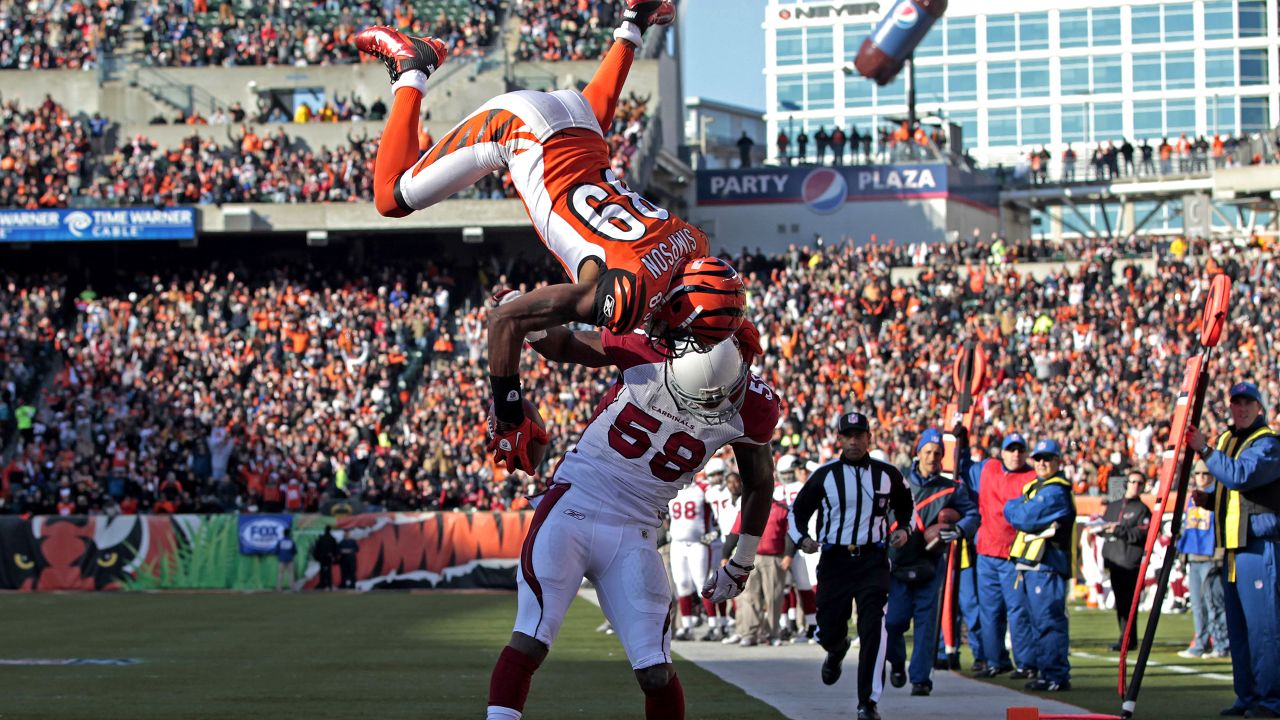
(726, 583)
(950, 534)
(510, 446)
(709, 537)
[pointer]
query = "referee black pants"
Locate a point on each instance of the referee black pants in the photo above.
(842, 580)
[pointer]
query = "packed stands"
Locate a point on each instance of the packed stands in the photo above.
(554, 30)
(27, 310)
(46, 34)
(193, 33)
(210, 390)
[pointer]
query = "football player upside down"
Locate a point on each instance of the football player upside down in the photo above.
(631, 264)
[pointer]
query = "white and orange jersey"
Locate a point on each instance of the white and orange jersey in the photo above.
(690, 514)
(640, 449)
(552, 145)
(724, 507)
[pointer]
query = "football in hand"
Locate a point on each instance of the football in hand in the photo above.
(537, 450)
(946, 518)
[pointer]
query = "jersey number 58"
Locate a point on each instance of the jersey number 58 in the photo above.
(632, 436)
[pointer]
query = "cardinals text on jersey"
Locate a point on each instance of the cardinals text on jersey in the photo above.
(640, 448)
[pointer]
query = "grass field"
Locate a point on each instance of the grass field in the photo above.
(397, 655)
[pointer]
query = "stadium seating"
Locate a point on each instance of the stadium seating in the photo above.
(372, 383)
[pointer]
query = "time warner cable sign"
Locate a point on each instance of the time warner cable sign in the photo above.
(89, 224)
(260, 533)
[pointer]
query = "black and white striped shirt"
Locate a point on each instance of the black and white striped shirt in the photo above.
(853, 501)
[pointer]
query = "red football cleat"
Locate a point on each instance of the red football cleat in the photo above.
(647, 13)
(401, 52)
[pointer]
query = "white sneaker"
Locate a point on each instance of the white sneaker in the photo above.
(604, 627)
(733, 639)
(1189, 653)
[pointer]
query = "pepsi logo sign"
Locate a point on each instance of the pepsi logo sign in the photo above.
(824, 190)
(784, 14)
(905, 15)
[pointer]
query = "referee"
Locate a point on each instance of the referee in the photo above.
(853, 496)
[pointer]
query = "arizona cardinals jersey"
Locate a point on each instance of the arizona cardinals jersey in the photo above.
(724, 506)
(641, 448)
(690, 514)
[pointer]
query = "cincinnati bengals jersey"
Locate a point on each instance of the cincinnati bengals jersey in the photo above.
(640, 448)
(581, 209)
(725, 507)
(690, 514)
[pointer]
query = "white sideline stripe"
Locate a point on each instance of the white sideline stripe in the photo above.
(1181, 669)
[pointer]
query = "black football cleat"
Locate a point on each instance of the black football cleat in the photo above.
(401, 52)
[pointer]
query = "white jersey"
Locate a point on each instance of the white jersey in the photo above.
(690, 514)
(786, 494)
(725, 507)
(641, 448)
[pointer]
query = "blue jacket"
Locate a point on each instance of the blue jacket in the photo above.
(1053, 503)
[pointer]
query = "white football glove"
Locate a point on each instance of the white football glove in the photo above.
(726, 583)
(709, 537)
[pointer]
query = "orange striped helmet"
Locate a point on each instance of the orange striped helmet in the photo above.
(703, 308)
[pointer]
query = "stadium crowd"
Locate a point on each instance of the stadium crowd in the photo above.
(48, 34)
(47, 158)
(554, 30)
(191, 33)
(285, 387)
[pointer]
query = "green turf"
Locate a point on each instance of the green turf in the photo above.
(397, 655)
(330, 655)
(1166, 694)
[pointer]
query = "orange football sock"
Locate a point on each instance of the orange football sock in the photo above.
(605, 87)
(397, 150)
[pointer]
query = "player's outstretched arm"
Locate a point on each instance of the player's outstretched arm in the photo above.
(567, 346)
(756, 464)
(543, 309)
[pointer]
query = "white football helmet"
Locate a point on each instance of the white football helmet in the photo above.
(716, 468)
(787, 464)
(709, 385)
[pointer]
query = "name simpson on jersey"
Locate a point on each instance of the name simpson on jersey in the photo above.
(677, 245)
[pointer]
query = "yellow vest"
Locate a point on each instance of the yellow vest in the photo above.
(1031, 551)
(1232, 521)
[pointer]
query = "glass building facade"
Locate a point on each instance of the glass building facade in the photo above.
(1036, 73)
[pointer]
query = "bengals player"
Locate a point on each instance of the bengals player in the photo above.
(630, 263)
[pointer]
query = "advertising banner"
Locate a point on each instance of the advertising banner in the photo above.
(97, 224)
(188, 552)
(822, 189)
(259, 533)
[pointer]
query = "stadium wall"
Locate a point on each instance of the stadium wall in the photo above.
(188, 552)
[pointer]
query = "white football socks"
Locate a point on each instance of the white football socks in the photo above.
(497, 712)
(414, 78)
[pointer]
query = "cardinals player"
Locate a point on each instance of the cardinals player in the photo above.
(629, 261)
(791, 476)
(691, 525)
(724, 495)
(599, 519)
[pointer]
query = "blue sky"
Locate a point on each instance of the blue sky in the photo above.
(723, 46)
